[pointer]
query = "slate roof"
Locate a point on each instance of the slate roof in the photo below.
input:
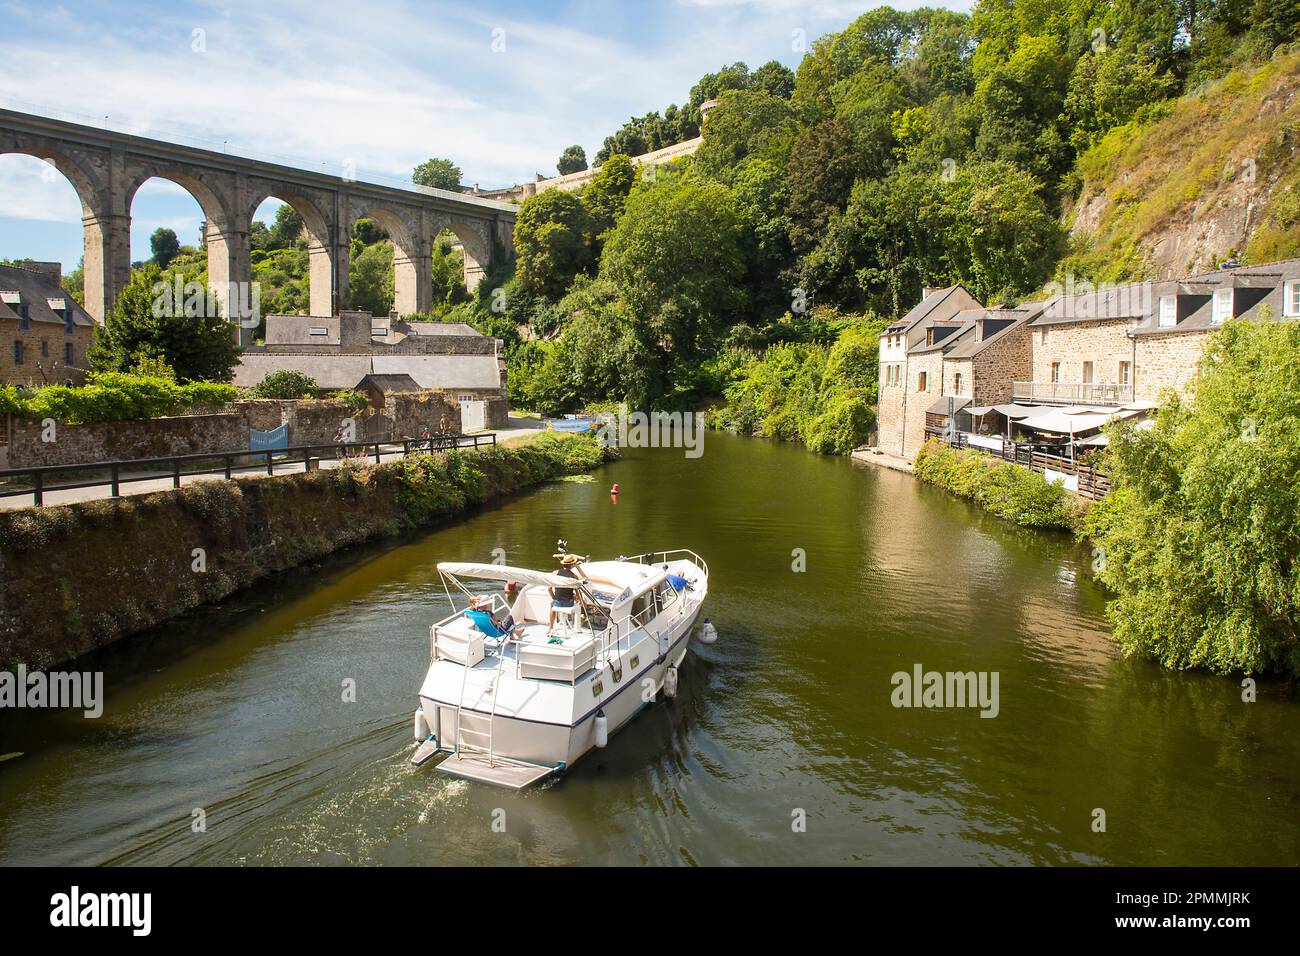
(35, 289)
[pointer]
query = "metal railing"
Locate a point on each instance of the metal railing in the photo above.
(176, 467)
(1093, 483)
(1086, 393)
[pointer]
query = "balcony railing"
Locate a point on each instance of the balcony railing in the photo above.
(1083, 393)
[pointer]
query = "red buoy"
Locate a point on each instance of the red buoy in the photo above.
(614, 490)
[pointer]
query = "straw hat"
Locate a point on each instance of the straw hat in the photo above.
(569, 559)
(477, 601)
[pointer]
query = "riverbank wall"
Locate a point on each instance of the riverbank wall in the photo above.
(74, 578)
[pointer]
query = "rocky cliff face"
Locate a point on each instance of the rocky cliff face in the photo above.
(1218, 175)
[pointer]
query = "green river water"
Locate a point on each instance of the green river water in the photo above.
(239, 710)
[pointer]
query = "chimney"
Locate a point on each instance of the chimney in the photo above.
(928, 291)
(354, 331)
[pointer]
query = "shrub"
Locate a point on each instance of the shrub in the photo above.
(115, 396)
(286, 384)
(354, 400)
(1008, 491)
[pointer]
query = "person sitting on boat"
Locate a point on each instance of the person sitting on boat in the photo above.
(562, 597)
(480, 612)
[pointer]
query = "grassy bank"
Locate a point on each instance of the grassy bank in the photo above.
(1006, 490)
(77, 577)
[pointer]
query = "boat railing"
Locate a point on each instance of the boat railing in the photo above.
(663, 557)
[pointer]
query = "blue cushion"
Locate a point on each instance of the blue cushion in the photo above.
(483, 621)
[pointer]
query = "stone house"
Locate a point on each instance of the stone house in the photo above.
(45, 334)
(354, 349)
(1108, 349)
(897, 380)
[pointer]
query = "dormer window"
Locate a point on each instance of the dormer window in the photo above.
(1291, 299)
(1222, 308)
(1168, 311)
(1043, 338)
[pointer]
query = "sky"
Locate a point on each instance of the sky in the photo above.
(499, 87)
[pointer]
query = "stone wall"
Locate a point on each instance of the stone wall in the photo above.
(315, 422)
(413, 412)
(889, 407)
(1009, 359)
(1167, 361)
(1104, 342)
(121, 441)
(930, 363)
(44, 344)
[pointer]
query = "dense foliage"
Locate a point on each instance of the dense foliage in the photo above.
(1008, 491)
(1200, 540)
(113, 396)
(149, 321)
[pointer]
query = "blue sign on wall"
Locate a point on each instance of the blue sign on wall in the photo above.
(265, 441)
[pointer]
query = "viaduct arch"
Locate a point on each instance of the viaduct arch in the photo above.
(106, 168)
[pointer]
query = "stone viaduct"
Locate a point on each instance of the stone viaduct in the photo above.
(106, 168)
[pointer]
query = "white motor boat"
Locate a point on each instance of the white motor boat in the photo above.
(515, 708)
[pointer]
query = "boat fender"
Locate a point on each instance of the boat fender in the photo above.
(670, 682)
(422, 731)
(602, 729)
(708, 633)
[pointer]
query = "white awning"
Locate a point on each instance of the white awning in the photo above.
(504, 572)
(1017, 411)
(1065, 424)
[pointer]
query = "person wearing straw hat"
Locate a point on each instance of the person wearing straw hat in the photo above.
(562, 597)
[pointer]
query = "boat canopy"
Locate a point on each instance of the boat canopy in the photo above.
(504, 572)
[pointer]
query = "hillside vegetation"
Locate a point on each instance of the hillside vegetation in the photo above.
(1211, 175)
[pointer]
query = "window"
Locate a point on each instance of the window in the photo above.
(956, 384)
(1056, 371)
(1125, 373)
(24, 317)
(18, 352)
(922, 381)
(1291, 298)
(1222, 306)
(319, 330)
(1168, 311)
(1043, 337)
(1087, 373)
(464, 398)
(67, 322)
(45, 349)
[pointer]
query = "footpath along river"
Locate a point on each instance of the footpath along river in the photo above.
(238, 711)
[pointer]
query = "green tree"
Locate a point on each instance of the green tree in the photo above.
(437, 174)
(287, 227)
(606, 194)
(1200, 536)
(164, 246)
(824, 164)
(675, 256)
(147, 323)
(552, 232)
(572, 160)
(745, 123)
(370, 279)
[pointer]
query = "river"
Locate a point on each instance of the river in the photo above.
(782, 746)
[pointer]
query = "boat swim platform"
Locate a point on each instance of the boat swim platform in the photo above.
(499, 771)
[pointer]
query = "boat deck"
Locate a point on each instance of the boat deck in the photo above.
(501, 772)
